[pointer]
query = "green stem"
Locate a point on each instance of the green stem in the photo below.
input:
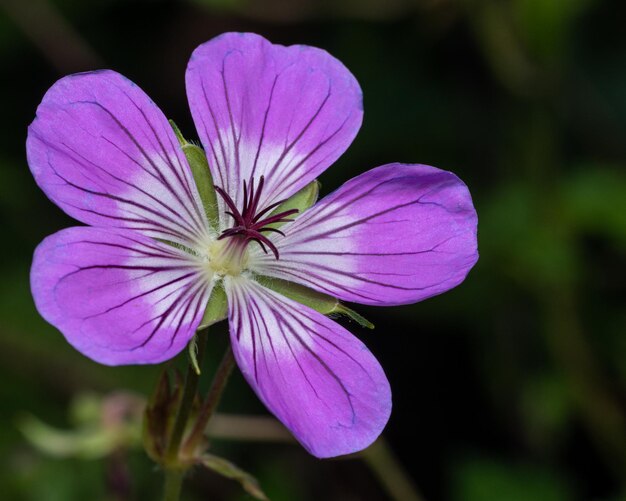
(385, 465)
(173, 484)
(186, 403)
(212, 400)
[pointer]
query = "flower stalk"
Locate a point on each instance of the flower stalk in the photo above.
(186, 404)
(210, 403)
(173, 484)
(182, 452)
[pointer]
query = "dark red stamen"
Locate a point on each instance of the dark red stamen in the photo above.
(248, 222)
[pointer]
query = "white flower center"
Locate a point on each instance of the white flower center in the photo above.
(228, 256)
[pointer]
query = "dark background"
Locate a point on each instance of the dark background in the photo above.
(509, 387)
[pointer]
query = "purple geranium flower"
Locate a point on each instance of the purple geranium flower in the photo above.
(132, 287)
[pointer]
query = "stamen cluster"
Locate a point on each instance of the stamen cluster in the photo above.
(250, 224)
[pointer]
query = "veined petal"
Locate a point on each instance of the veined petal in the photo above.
(117, 296)
(286, 113)
(316, 377)
(396, 234)
(103, 152)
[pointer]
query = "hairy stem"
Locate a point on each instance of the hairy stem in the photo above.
(189, 392)
(173, 484)
(212, 400)
(174, 471)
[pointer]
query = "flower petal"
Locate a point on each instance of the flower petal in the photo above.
(103, 152)
(286, 113)
(118, 297)
(316, 377)
(396, 234)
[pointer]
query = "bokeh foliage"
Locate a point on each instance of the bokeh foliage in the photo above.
(511, 386)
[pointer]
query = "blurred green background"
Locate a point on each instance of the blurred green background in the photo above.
(510, 387)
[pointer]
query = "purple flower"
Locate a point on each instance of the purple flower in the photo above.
(131, 287)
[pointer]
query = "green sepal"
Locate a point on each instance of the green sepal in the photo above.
(193, 353)
(204, 181)
(301, 200)
(201, 175)
(342, 309)
(216, 309)
(323, 303)
(178, 133)
(230, 470)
